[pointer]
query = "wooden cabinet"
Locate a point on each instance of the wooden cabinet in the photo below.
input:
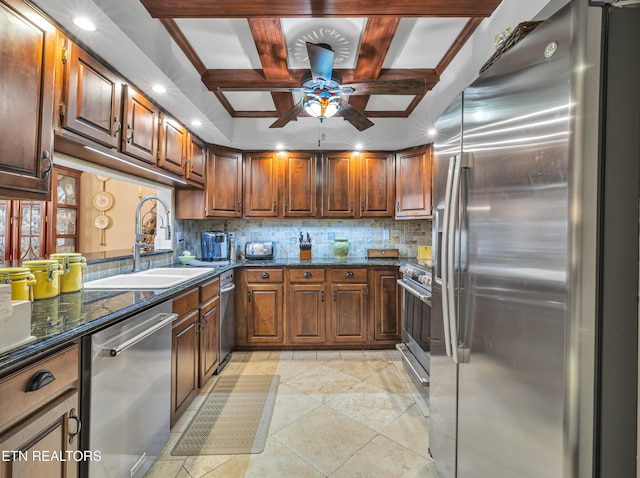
(92, 98)
(261, 185)
(413, 183)
(263, 306)
(349, 311)
(306, 306)
(40, 417)
(377, 185)
(26, 95)
(196, 160)
(184, 352)
(299, 191)
(358, 185)
(386, 302)
(63, 213)
(340, 184)
(209, 330)
(140, 134)
(224, 184)
(173, 145)
(23, 230)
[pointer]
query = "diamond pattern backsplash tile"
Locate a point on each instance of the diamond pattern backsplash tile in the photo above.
(405, 236)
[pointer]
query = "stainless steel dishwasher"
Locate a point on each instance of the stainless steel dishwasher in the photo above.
(130, 390)
(226, 318)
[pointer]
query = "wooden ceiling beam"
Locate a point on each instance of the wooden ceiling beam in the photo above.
(272, 50)
(318, 8)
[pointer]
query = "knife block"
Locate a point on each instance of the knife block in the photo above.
(305, 253)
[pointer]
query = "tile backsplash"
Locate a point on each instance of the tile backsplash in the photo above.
(363, 234)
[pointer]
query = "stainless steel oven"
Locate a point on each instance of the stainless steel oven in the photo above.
(416, 323)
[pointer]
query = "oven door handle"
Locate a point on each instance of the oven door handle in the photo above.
(405, 284)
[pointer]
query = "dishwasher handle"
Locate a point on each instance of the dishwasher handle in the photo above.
(228, 288)
(163, 319)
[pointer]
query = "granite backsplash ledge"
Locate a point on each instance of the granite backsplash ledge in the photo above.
(363, 234)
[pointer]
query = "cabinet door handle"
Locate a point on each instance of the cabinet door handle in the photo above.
(275, 204)
(307, 275)
(39, 380)
(351, 206)
(349, 274)
(286, 203)
(264, 275)
(249, 296)
(238, 210)
(129, 135)
(47, 156)
(74, 416)
(117, 125)
(362, 206)
(322, 296)
(398, 206)
(198, 327)
(335, 296)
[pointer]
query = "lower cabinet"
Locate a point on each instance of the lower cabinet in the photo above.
(349, 313)
(39, 418)
(306, 314)
(387, 326)
(264, 313)
(209, 327)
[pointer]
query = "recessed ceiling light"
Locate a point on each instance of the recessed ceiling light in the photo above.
(159, 89)
(431, 132)
(358, 146)
(280, 146)
(85, 24)
(196, 123)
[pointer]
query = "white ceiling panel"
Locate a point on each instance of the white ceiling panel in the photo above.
(250, 100)
(389, 102)
(342, 34)
(221, 43)
(422, 42)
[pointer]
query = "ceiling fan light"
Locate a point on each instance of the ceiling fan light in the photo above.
(322, 104)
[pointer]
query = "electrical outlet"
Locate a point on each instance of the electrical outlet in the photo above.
(232, 235)
(323, 136)
(385, 234)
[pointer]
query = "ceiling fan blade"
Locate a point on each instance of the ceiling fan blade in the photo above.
(407, 86)
(272, 89)
(290, 115)
(321, 61)
(355, 117)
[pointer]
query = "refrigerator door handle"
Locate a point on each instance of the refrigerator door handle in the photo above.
(454, 207)
(446, 316)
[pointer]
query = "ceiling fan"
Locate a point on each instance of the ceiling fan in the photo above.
(323, 91)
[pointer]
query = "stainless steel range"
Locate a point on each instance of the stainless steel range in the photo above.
(416, 323)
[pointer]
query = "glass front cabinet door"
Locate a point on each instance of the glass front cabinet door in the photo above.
(65, 212)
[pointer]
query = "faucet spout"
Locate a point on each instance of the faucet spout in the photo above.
(137, 243)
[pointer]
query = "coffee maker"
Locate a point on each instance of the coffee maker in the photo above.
(215, 246)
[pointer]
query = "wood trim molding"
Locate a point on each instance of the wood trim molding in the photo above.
(457, 44)
(176, 33)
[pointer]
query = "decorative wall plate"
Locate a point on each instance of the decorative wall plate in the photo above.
(101, 221)
(103, 201)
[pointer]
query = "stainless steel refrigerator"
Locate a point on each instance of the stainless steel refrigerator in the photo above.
(535, 240)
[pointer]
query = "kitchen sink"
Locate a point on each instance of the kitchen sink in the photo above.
(160, 278)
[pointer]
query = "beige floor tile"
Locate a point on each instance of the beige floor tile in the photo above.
(290, 406)
(289, 369)
(383, 458)
(352, 354)
(411, 430)
(164, 469)
(258, 356)
(265, 367)
(198, 466)
(281, 355)
(322, 382)
(329, 355)
(325, 438)
(360, 369)
(376, 355)
(305, 355)
(239, 356)
(389, 379)
(370, 405)
(394, 355)
(183, 474)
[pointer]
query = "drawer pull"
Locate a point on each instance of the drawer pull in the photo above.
(40, 379)
(349, 274)
(73, 416)
(307, 275)
(264, 275)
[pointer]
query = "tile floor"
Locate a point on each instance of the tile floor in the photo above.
(338, 414)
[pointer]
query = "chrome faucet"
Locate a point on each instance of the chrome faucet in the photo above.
(139, 236)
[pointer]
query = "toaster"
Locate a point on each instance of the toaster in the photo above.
(259, 250)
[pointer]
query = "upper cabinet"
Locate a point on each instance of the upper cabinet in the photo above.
(377, 185)
(26, 94)
(141, 118)
(173, 145)
(299, 192)
(340, 185)
(224, 184)
(196, 160)
(413, 183)
(91, 98)
(261, 185)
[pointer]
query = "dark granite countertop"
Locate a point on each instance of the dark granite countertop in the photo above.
(57, 321)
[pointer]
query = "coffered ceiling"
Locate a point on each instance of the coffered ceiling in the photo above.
(220, 60)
